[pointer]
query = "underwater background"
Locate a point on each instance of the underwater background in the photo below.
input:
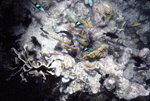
(74, 50)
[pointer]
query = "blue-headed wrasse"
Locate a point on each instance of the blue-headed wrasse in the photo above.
(38, 6)
(82, 42)
(77, 23)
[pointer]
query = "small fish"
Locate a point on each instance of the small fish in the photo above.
(140, 71)
(89, 65)
(89, 24)
(112, 35)
(107, 5)
(72, 18)
(71, 47)
(121, 41)
(70, 29)
(137, 24)
(56, 53)
(60, 40)
(81, 35)
(85, 48)
(90, 2)
(84, 23)
(38, 6)
(85, 10)
(99, 11)
(45, 54)
(88, 49)
(54, 37)
(64, 47)
(76, 22)
(82, 42)
(87, 37)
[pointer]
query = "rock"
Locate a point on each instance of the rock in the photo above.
(109, 84)
(143, 52)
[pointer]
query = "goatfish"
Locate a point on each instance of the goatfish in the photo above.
(86, 23)
(77, 23)
(60, 40)
(89, 65)
(99, 11)
(136, 24)
(87, 37)
(81, 35)
(82, 42)
(48, 55)
(54, 37)
(71, 47)
(38, 6)
(140, 71)
(56, 53)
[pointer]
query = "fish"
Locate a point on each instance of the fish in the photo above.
(85, 10)
(49, 54)
(87, 25)
(72, 18)
(82, 42)
(81, 35)
(45, 54)
(121, 41)
(85, 48)
(64, 47)
(99, 11)
(38, 6)
(56, 53)
(90, 2)
(88, 49)
(60, 40)
(71, 47)
(54, 37)
(112, 35)
(140, 71)
(89, 65)
(137, 24)
(77, 23)
(87, 37)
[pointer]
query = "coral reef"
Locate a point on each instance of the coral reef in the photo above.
(101, 52)
(81, 50)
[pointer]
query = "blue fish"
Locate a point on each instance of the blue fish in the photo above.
(90, 2)
(40, 8)
(79, 24)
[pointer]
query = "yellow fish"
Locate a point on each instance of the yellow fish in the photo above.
(85, 10)
(85, 23)
(140, 71)
(137, 24)
(71, 47)
(54, 37)
(60, 40)
(89, 65)
(45, 54)
(81, 35)
(99, 11)
(57, 53)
